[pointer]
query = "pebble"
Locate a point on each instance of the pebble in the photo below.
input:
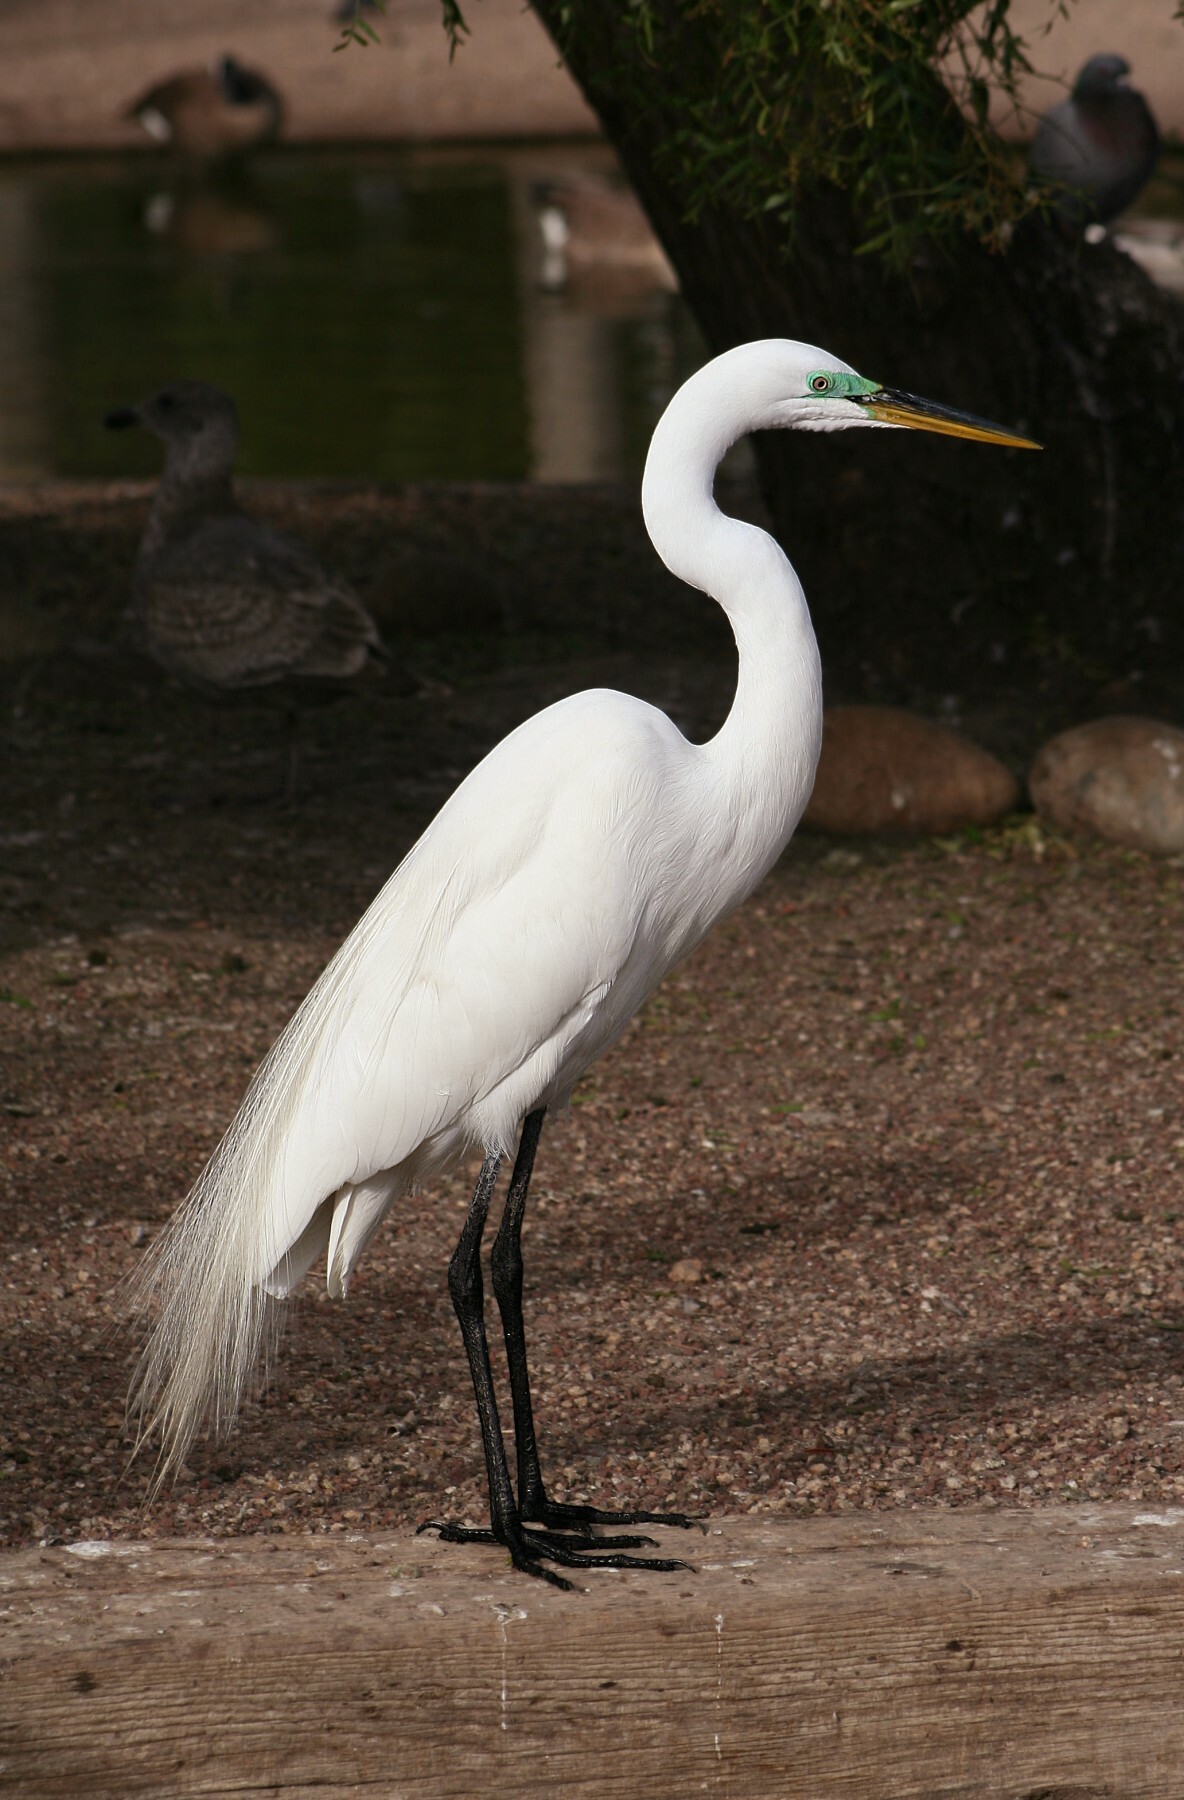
(688, 1269)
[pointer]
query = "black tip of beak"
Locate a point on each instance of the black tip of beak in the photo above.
(121, 417)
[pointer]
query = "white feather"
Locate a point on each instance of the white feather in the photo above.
(155, 124)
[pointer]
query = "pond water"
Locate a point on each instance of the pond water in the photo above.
(376, 313)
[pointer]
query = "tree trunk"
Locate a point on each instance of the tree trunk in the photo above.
(935, 567)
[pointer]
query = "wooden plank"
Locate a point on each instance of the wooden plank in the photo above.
(914, 1655)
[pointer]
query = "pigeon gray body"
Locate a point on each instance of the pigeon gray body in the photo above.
(1099, 147)
(220, 600)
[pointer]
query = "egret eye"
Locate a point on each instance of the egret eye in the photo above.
(821, 384)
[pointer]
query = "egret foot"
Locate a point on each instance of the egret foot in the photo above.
(555, 1515)
(484, 1534)
(529, 1549)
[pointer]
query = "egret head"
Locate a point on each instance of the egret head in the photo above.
(819, 393)
(769, 385)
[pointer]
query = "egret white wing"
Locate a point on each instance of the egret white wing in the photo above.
(450, 1009)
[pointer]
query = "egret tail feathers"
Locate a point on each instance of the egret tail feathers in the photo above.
(262, 1209)
(212, 1330)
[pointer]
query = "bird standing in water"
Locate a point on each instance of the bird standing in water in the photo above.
(1099, 147)
(592, 227)
(581, 860)
(211, 116)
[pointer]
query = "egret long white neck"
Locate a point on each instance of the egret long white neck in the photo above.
(771, 736)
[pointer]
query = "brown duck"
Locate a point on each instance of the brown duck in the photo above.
(221, 600)
(211, 115)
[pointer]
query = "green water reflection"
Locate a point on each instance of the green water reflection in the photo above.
(369, 310)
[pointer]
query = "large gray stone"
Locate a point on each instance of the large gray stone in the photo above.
(1120, 779)
(883, 770)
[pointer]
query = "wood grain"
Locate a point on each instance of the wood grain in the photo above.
(885, 1657)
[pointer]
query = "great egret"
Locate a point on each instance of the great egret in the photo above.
(211, 115)
(589, 851)
(1099, 147)
(224, 602)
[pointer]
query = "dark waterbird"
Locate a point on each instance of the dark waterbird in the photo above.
(222, 601)
(1098, 149)
(593, 227)
(211, 115)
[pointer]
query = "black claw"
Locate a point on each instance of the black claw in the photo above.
(524, 1559)
(575, 1556)
(556, 1516)
(584, 1532)
(458, 1534)
(528, 1547)
(528, 1566)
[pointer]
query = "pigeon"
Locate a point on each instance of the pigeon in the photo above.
(1098, 148)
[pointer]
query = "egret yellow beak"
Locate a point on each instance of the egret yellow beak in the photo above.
(893, 408)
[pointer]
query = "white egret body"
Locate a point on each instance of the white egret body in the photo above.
(587, 854)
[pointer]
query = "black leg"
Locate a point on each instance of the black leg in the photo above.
(505, 1266)
(527, 1547)
(468, 1300)
(465, 1288)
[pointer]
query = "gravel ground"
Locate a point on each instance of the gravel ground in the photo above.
(878, 1204)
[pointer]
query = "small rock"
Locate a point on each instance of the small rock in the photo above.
(883, 770)
(1120, 778)
(688, 1269)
